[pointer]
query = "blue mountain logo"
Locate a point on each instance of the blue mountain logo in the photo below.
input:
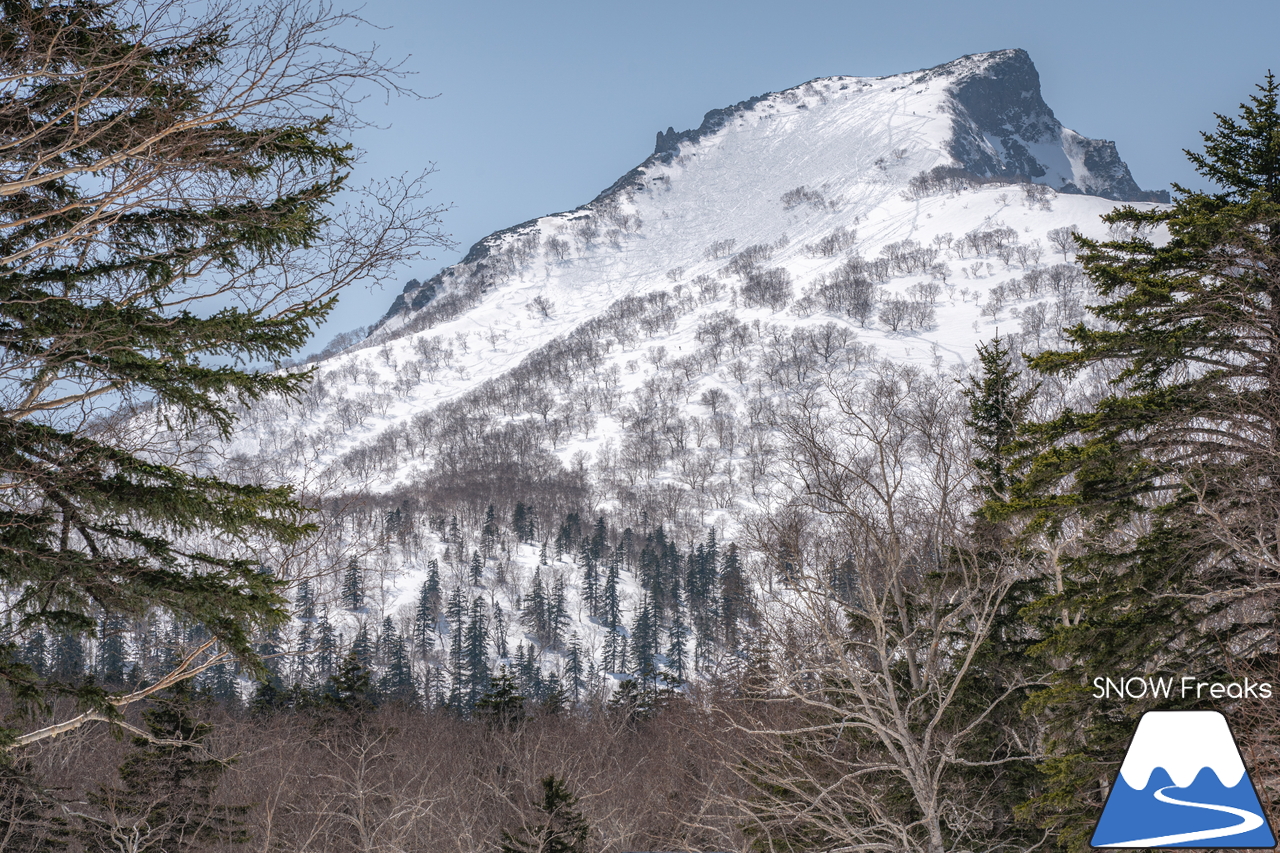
(1182, 784)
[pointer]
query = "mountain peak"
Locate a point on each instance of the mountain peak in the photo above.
(853, 142)
(1182, 743)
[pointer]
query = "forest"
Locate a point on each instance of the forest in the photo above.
(798, 595)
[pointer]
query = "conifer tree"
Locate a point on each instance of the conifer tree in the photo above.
(477, 651)
(353, 585)
(560, 826)
(456, 614)
(1173, 471)
(68, 660)
(599, 539)
(166, 801)
(166, 221)
(611, 604)
(220, 684)
(535, 612)
(573, 669)
(500, 631)
(590, 585)
(326, 646)
(35, 653)
(270, 650)
(557, 614)
(387, 638)
(734, 597)
(362, 648)
(302, 662)
(489, 533)
(397, 684)
(305, 606)
(113, 654)
(426, 617)
(677, 638)
(644, 636)
(501, 704)
(998, 407)
(522, 522)
(350, 689)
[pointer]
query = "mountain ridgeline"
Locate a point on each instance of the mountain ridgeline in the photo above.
(1000, 128)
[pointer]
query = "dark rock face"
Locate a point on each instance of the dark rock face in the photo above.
(998, 104)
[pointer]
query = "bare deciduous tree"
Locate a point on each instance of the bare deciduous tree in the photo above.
(899, 733)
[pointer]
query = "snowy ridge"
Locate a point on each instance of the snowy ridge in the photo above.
(1183, 743)
(847, 136)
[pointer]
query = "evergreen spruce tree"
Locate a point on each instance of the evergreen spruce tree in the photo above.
(220, 684)
(397, 685)
(387, 637)
(574, 672)
(644, 636)
(557, 614)
(559, 827)
(270, 650)
(998, 406)
(165, 225)
(489, 534)
(522, 522)
(477, 568)
(590, 585)
(677, 638)
(353, 585)
(536, 607)
(456, 614)
(611, 604)
(426, 617)
(166, 801)
(350, 689)
(599, 539)
(734, 598)
(477, 651)
(35, 653)
(501, 625)
(113, 653)
(501, 704)
(1174, 471)
(362, 648)
(67, 664)
(305, 605)
(326, 647)
(302, 662)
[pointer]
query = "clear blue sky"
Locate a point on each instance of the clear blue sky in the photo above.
(543, 104)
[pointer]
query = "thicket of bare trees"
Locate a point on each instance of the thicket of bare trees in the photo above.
(901, 732)
(396, 781)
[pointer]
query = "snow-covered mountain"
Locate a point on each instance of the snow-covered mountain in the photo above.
(854, 140)
(623, 360)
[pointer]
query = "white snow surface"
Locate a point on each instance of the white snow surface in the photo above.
(856, 141)
(1183, 743)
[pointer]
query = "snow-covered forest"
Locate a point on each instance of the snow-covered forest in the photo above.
(786, 496)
